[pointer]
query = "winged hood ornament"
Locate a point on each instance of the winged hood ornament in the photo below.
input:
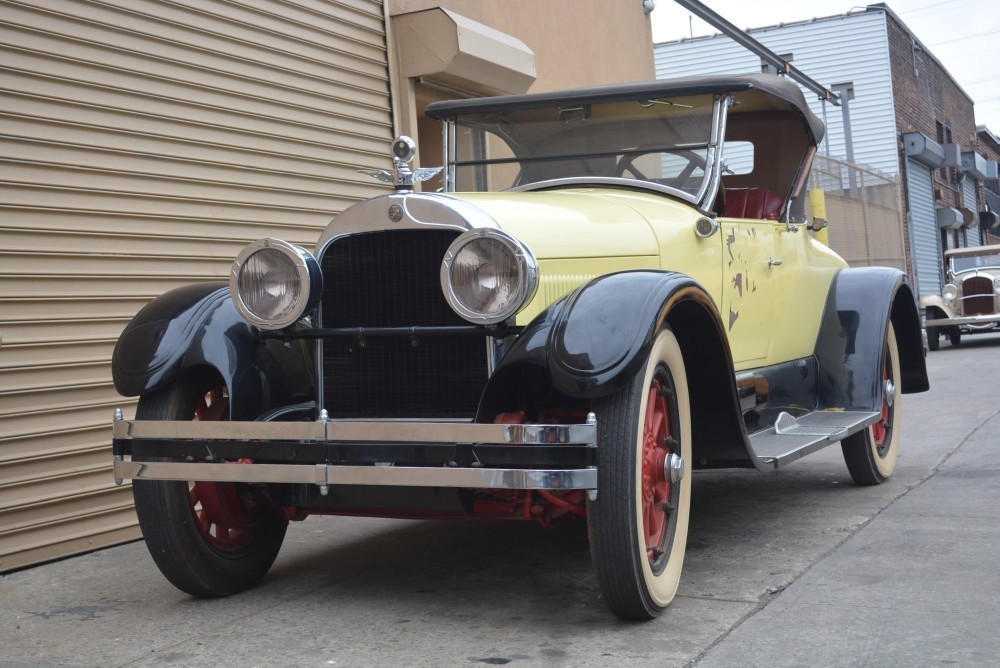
(402, 177)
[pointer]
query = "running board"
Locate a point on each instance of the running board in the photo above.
(791, 438)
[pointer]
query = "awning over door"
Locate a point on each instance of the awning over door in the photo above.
(440, 46)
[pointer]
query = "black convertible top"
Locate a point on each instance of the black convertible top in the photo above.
(769, 84)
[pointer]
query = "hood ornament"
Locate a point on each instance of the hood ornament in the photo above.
(401, 177)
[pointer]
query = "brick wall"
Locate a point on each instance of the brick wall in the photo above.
(928, 100)
(990, 148)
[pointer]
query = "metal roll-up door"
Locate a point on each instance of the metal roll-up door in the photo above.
(926, 239)
(969, 192)
(144, 144)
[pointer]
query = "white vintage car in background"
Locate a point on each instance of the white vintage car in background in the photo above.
(970, 302)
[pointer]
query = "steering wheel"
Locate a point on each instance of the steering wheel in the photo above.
(625, 164)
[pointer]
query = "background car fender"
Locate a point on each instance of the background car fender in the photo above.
(849, 349)
(197, 326)
(938, 302)
(594, 340)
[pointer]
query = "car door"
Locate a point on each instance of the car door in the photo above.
(749, 271)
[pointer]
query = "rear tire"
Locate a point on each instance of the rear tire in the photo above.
(208, 539)
(639, 523)
(871, 454)
(955, 336)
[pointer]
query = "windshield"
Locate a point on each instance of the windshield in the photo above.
(665, 143)
(975, 262)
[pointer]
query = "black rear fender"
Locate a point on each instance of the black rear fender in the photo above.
(849, 349)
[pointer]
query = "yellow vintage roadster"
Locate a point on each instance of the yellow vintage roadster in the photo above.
(615, 287)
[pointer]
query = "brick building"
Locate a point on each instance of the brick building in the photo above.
(989, 145)
(907, 117)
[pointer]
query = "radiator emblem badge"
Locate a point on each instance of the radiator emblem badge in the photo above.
(395, 213)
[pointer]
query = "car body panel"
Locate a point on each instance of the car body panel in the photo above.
(572, 223)
(742, 253)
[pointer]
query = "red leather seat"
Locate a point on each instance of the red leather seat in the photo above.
(759, 203)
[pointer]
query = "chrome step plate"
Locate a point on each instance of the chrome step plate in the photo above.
(792, 438)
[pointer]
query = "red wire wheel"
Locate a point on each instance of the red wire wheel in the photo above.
(222, 514)
(638, 523)
(659, 495)
(871, 453)
(882, 430)
(208, 539)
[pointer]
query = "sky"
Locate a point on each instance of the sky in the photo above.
(964, 35)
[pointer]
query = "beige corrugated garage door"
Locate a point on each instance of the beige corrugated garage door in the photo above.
(143, 145)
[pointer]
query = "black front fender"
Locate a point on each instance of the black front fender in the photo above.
(603, 331)
(197, 326)
(594, 341)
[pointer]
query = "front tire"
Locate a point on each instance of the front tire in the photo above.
(208, 539)
(639, 523)
(871, 454)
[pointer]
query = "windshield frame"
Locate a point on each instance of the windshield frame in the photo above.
(702, 198)
(995, 267)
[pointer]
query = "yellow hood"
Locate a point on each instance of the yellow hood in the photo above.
(577, 223)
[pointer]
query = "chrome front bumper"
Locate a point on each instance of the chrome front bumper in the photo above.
(972, 320)
(294, 434)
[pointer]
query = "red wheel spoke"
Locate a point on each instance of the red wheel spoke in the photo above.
(655, 450)
(656, 425)
(224, 520)
(651, 407)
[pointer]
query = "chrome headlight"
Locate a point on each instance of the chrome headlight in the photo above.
(274, 283)
(949, 292)
(487, 276)
(996, 285)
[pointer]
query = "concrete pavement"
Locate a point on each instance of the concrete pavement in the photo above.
(917, 586)
(795, 568)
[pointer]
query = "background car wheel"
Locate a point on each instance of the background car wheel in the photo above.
(955, 336)
(208, 539)
(933, 339)
(638, 525)
(871, 453)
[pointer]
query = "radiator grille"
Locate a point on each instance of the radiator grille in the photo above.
(977, 296)
(391, 279)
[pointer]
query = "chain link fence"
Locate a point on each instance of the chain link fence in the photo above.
(865, 211)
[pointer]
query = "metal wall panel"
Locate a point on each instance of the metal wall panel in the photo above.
(144, 144)
(842, 49)
(969, 192)
(926, 241)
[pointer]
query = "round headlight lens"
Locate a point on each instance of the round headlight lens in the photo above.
(949, 292)
(273, 283)
(487, 276)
